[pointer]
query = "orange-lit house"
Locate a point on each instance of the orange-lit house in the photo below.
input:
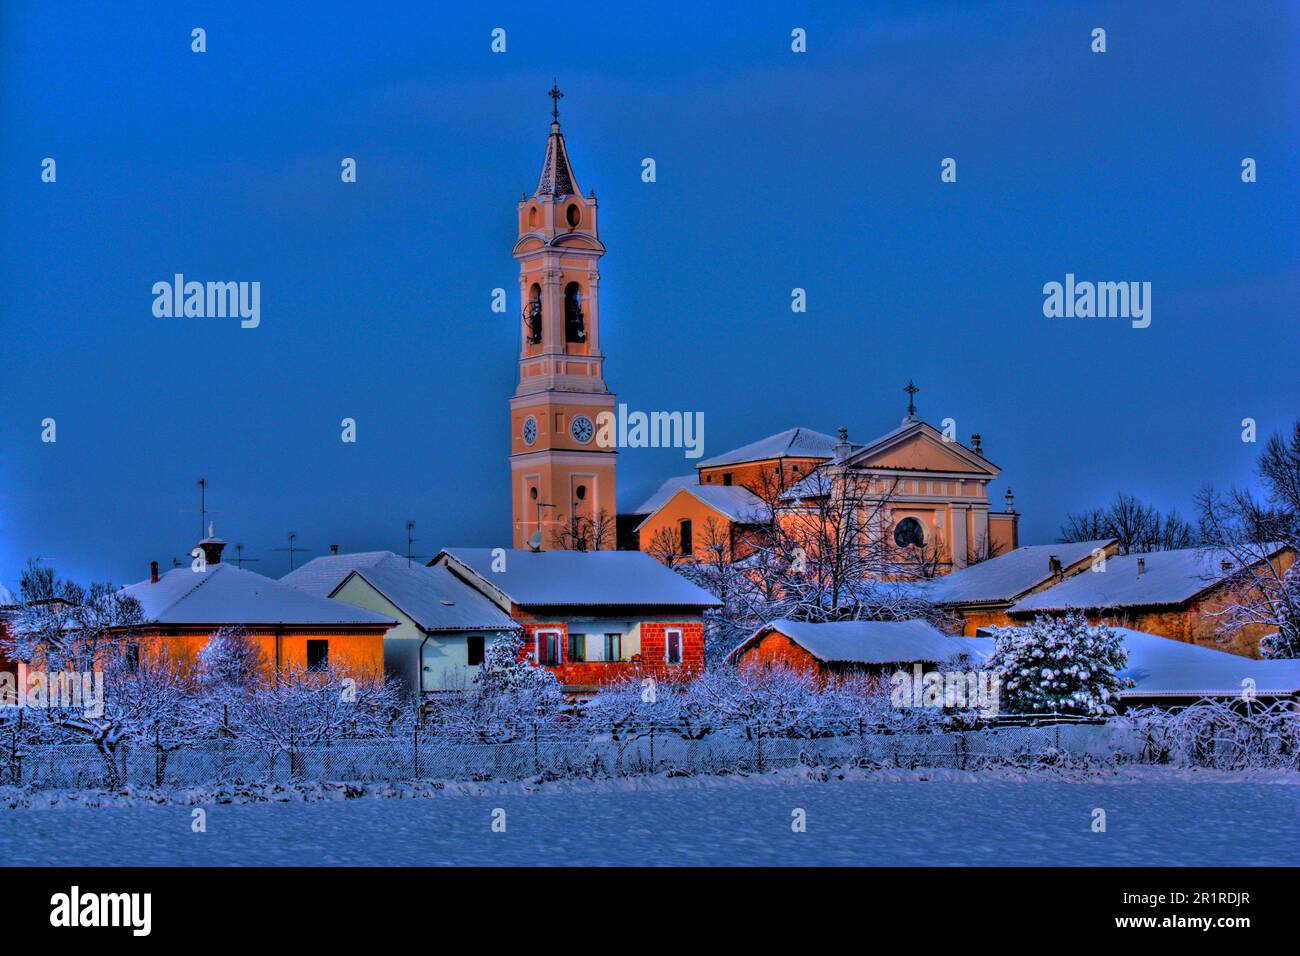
(935, 492)
(183, 607)
(592, 617)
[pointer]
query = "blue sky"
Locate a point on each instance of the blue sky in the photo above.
(775, 171)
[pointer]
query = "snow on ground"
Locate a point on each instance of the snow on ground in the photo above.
(1154, 817)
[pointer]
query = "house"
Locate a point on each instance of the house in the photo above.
(592, 617)
(935, 489)
(183, 607)
(443, 625)
(1176, 594)
(845, 647)
(983, 593)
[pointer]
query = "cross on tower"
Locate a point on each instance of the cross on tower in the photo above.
(555, 95)
(911, 398)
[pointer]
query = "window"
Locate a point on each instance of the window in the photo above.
(318, 655)
(131, 653)
(908, 533)
(613, 647)
(573, 215)
(673, 645)
(577, 647)
(474, 649)
(548, 647)
(533, 315)
(726, 477)
(688, 543)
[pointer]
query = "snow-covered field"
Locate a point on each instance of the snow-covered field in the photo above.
(1153, 817)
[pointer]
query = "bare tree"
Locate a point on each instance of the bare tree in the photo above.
(1136, 526)
(665, 546)
(1261, 538)
(581, 532)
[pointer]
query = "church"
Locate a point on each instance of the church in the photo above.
(563, 485)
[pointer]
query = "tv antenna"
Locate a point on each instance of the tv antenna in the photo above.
(202, 510)
(240, 560)
(410, 540)
(292, 549)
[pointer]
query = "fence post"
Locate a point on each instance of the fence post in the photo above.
(652, 748)
(758, 748)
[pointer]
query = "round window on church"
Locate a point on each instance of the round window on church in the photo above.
(532, 494)
(573, 215)
(580, 492)
(909, 533)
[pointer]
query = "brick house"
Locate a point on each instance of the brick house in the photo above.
(837, 648)
(592, 617)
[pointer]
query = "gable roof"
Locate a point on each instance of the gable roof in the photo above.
(321, 576)
(665, 491)
(433, 597)
(873, 642)
(574, 578)
(1170, 578)
(225, 594)
(915, 430)
(791, 443)
(1006, 577)
(733, 502)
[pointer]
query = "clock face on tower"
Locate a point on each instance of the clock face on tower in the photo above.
(530, 430)
(582, 429)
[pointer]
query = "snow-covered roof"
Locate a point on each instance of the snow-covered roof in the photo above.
(434, 598)
(572, 578)
(1163, 667)
(874, 642)
(1167, 578)
(1006, 577)
(225, 594)
(732, 501)
(320, 576)
(664, 492)
(791, 443)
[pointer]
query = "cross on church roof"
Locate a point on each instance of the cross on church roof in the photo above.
(911, 398)
(556, 96)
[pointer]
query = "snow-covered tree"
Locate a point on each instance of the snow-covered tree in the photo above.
(506, 669)
(1059, 665)
(231, 660)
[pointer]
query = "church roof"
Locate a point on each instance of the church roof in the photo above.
(791, 443)
(557, 177)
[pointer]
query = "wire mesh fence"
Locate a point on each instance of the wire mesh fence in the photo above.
(1209, 736)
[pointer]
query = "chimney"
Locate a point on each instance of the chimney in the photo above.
(334, 549)
(153, 572)
(1054, 565)
(843, 448)
(1142, 566)
(212, 547)
(975, 445)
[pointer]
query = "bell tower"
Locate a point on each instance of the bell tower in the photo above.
(561, 470)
